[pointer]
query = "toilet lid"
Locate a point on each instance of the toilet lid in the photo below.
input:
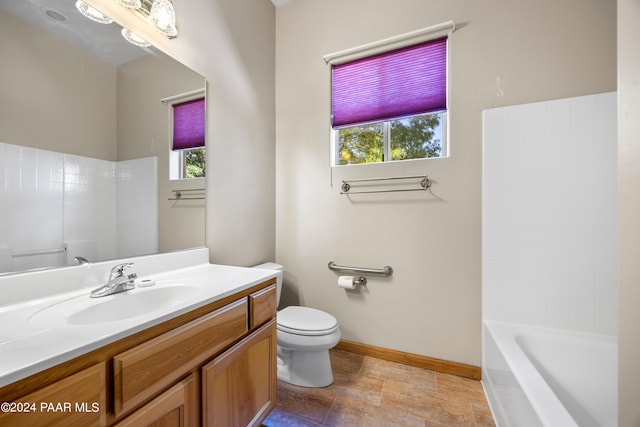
(306, 321)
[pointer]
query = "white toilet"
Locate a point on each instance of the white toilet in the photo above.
(305, 336)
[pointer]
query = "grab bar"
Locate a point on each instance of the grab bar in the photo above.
(18, 254)
(385, 271)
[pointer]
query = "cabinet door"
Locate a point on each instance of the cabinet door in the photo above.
(78, 400)
(239, 386)
(176, 407)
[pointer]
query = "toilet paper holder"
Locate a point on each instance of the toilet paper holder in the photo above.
(351, 282)
(360, 281)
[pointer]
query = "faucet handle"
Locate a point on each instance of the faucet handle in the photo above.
(118, 270)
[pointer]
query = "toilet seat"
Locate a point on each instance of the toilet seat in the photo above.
(306, 321)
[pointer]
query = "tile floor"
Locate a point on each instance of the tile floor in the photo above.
(372, 392)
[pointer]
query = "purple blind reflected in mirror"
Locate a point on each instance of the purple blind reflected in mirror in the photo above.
(188, 124)
(402, 82)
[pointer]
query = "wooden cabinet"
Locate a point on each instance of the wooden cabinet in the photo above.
(78, 400)
(239, 386)
(215, 364)
(176, 407)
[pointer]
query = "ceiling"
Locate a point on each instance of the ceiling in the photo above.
(60, 18)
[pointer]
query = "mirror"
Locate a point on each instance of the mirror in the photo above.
(84, 142)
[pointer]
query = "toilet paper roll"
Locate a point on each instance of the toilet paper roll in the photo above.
(346, 282)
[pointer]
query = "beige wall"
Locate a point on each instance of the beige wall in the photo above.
(503, 53)
(629, 210)
(52, 95)
(231, 43)
(143, 131)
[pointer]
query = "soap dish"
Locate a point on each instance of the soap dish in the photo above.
(143, 283)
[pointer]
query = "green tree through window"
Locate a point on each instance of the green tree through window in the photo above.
(361, 144)
(414, 138)
(194, 163)
(409, 138)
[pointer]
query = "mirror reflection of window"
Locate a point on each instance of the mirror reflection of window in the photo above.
(188, 157)
(93, 99)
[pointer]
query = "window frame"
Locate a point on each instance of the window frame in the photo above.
(386, 141)
(181, 162)
(387, 45)
(177, 158)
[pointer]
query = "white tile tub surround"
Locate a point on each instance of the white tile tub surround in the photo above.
(48, 199)
(34, 184)
(90, 199)
(549, 214)
(137, 206)
(5, 251)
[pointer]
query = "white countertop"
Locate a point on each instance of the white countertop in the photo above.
(30, 342)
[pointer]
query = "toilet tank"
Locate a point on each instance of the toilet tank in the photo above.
(274, 266)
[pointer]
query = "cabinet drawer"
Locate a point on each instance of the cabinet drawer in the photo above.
(262, 306)
(78, 400)
(143, 371)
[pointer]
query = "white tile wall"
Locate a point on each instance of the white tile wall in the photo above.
(48, 199)
(34, 200)
(549, 214)
(90, 208)
(137, 214)
(6, 263)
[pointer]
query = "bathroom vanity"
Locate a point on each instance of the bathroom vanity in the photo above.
(205, 359)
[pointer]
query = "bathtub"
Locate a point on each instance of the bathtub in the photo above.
(536, 376)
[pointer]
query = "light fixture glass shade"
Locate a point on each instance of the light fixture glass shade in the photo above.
(131, 4)
(163, 17)
(92, 13)
(134, 39)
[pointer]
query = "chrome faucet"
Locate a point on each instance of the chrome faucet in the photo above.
(118, 282)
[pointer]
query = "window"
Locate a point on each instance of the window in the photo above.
(391, 106)
(188, 139)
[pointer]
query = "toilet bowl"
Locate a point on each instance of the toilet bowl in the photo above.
(305, 336)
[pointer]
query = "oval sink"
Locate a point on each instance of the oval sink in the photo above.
(125, 305)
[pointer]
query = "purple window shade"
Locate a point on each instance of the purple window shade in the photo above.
(403, 82)
(188, 124)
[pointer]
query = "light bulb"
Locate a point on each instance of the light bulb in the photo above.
(131, 4)
(134, 39)
(163, 17)
(92, 13)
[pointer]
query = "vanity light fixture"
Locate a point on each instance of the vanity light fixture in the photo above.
(92, 13)
(134, 39)
(160, 14)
